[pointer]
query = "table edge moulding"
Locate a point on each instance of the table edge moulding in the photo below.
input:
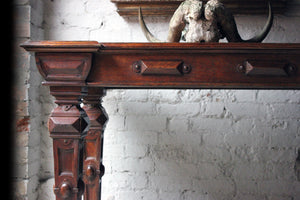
(80, 71)
(168, 7)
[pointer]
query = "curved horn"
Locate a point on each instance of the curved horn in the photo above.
(229, 28)
(145, 30)
(266, 29)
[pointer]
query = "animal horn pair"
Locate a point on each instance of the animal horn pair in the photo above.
(227, 25)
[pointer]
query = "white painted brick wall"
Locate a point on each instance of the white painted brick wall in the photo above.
(27, 102)
(185, 144)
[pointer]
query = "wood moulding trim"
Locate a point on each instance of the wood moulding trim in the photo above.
(61, 46)
(110, 66)
(167, 7)
(94, 46)
(205, 48)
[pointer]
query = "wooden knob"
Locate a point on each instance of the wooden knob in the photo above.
(65, 190)
(91, 172)
(186, 69)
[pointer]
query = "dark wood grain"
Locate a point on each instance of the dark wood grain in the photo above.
(66, 126)
(93, 168)
(81, 71)
(61, 46)
(214, 65)
(168, 7)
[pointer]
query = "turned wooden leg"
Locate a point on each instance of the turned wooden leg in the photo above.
(66, 126)
(93, 169)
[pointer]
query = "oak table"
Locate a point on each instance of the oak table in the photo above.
(80, 72)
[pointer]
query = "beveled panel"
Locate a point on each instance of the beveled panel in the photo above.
(64, 66)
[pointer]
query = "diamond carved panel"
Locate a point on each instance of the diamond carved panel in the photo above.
(64, 67)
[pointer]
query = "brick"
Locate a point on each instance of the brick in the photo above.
(245, 95)
(44, 189)
(282, 171)
(276, 188)
(247, 186)
(172, 168)
(170, 152)
(22, 19)
(145, 123)
(169, 195)
(116, 122)
(136, 108)
(134, 181)
(278, 96)
(243, 125)
(243, 154)
(167, 183)
(178, 125)
(64, 33)
(213, 139)
(247, 110)
(192, 194)
(284, 139)
(245, 139)
(280, 197)
(23, 124)
(215, 109)
(189, 140)
(113, 96)
(133, 165)
(137, 195)
(135, 151)
(20, 171)
(107, 35)
(186, 109)
(277, 154)
(222, 95)
(20, 187)
(136, 138)
(207, 170)
(165, 96)
(196, 96)
(22, 139)
(115, 150)
(282, 111)
(250, 196)
(21, 155)
(218, 188)
(136, 95)
(248, 171)
(211, 125)
(21, 2)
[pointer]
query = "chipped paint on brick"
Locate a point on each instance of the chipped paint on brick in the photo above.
(23, 124)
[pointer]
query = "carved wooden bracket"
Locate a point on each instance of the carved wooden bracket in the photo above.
(60, 67)
(167, 7)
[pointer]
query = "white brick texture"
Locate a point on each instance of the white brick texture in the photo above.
(186, 144)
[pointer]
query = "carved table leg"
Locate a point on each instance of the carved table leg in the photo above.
(93, 169)
(66, 127)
